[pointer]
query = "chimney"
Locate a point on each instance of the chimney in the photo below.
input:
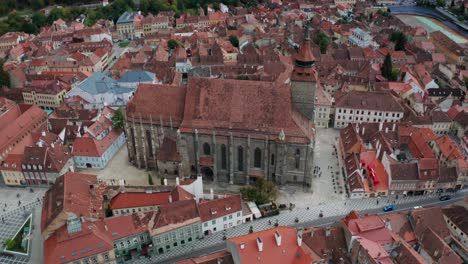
(105, 227)
(393, 128)
(327, 231)
(386, 130)
(170, 198)
(299, 239)
(278, 238)
(380, 126)
(211, 194)
(260, 244)
(363, 130)
(242, 245)
(43, 133)
(165, 182)
(357, 128)
(177, 182)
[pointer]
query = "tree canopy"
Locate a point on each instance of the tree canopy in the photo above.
(4, 77)
(172, 44)
(263, 191)
(322, 41)
(399, 38)
(234, 40)
(118, 119)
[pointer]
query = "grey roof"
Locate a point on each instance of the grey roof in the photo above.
(126, 17)
(100, 83)
(138, 76)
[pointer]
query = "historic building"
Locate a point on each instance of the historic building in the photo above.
(228, 130)
(304, 79)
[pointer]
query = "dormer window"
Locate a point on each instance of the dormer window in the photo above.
(40, 167)
(227, 208)
(22, 166)
(6, 165)
(213, 212)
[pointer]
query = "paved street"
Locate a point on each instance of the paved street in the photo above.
(120, 168)
(307, 217)
(327, 185)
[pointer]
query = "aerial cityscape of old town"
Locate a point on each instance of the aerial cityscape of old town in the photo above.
(234, 131)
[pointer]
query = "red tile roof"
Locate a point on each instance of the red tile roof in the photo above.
(288, 252)
(62, 247)
(157, 103)
(449, 148)
(73, 192)
(212, 209)
(250, 107)
(24, 123)
(131, 200)
(90, 147)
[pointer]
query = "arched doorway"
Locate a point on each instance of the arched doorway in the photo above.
(207, 173)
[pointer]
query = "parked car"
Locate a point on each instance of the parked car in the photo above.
(389, 208)
(445, 197)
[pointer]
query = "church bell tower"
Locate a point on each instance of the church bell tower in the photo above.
(304, 78)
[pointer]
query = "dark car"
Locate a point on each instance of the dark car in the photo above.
(445, 197)
(389, 208)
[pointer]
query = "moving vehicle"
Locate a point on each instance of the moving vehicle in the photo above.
(445, 197)
(389, 208)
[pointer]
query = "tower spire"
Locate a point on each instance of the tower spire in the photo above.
(304, 57)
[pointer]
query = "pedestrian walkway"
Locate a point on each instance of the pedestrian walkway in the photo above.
(287, 217)
(10, 223)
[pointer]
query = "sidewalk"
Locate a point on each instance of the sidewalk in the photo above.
(287, 218)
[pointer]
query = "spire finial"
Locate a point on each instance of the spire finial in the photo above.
(307, 32)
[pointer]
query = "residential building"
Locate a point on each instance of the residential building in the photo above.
(359, 107)
(11, 170)
(322, 108)
(276, 245)
(42, 165)
(341, 2)
(132, 202)
(173, 225)
(99, 144)
(125, 26)
(9, 40)
(48, 95)
(220, 214)
(456, 217)
(360, 38)
(16, 132)
(153, 24)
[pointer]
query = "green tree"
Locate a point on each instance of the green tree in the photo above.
(10, 244)
(118, 119)
(4, 77)
(263, 191)
(30, 28)
(387, 67)
(150, 179)
(234, 40)
(39, 19)
(399, 38)
(172, 44)
(322, 41)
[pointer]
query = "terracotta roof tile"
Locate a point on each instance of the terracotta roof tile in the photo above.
(212, 209)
